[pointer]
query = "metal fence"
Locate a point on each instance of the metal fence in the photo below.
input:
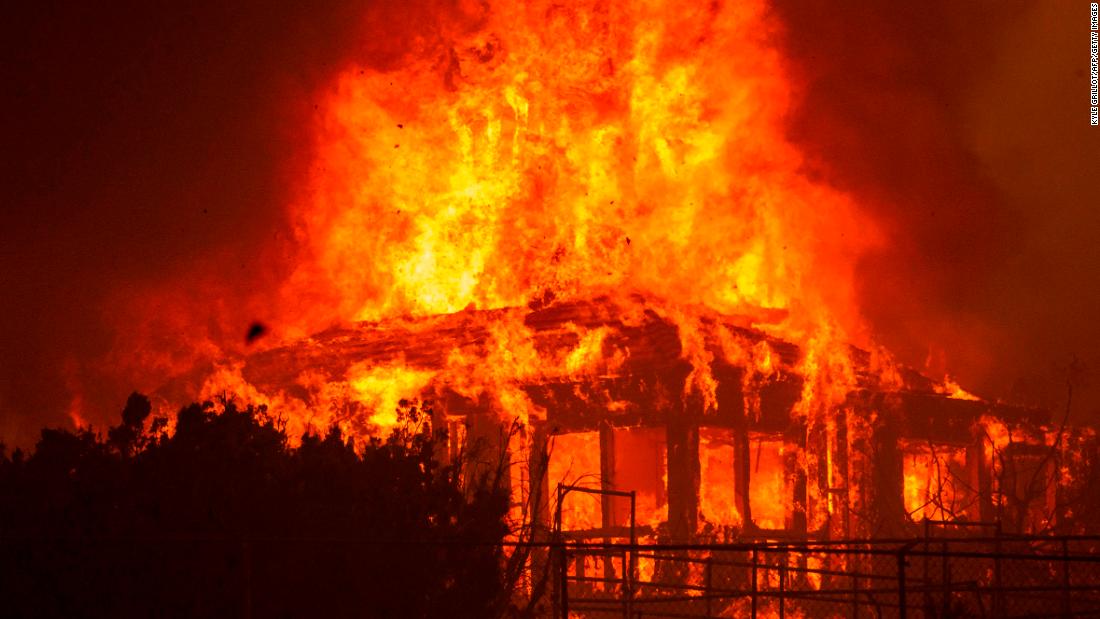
(955, 569)
(938, 575)
(933, 576)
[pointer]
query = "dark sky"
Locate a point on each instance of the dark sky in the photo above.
(142, 139)
(139, 139)
(964, 128)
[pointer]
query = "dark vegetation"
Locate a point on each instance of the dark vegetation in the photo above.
(222, 517)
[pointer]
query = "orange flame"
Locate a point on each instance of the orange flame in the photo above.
(540, 152)
(572, 151)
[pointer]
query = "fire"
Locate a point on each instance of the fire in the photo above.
(527, 154)
(952, 389)
(640, 466)
(581, 229)
(717, 500)
(575, 461)
(492, 219)
(381, 388)
(537, 153)
(563, 152)
(937, 484)
(766, 494)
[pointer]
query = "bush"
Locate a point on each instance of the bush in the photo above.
(223, 517)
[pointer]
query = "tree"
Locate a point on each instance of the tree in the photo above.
(225, 517)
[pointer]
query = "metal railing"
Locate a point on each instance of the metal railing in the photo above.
(930, 576)
(627, 574)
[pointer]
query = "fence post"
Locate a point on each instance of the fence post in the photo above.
(707, 582)
(998, 591)
(855, 593)
(1066, 608)
(560, 603)
(753, 594)
(564, 581)
(945, 579)
(927, 570)
(901, 582)
(632, 568)
(628, 597)
(782, 585)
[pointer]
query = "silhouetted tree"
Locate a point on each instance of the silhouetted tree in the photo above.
(124, 437)
(224, 517)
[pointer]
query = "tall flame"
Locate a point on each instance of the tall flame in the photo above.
(527, 153)
(556, 151)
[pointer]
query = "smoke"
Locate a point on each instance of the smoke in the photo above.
(151, 150)
(964, 129)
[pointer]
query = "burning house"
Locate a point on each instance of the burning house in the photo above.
(619, 247)
(721, 442)
(595, 229)
(582, 232)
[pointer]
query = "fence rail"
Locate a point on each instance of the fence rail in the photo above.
(935, 576)
(938, 575)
